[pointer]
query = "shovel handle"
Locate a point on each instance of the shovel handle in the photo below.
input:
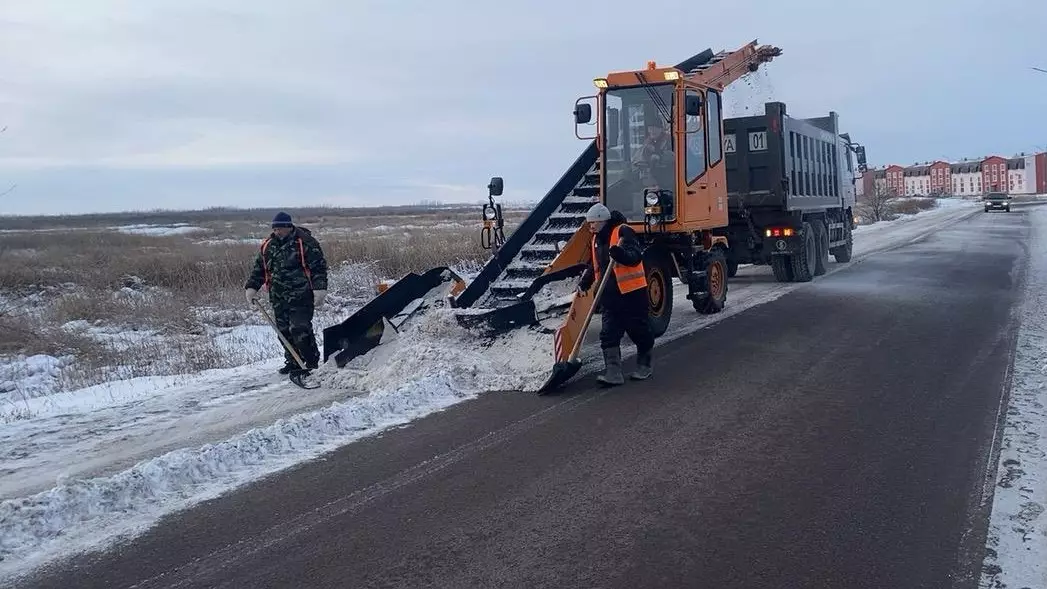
(283, 340)
(592, 310)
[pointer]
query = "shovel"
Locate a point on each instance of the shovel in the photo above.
(563, 371)
(295, 376)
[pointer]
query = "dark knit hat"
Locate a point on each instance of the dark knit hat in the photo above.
(282, 219)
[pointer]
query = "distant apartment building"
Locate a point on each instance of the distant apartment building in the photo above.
(1022, 174)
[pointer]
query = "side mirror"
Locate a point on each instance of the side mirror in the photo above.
(693, 105)
(613, 128)
(583, 114)
(860, 152)
(495, 187)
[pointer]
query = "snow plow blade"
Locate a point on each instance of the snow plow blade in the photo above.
(500, 320)
(365, 329)
(569, 336)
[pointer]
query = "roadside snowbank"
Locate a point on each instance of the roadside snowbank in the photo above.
(1016, 547)
(162, 445)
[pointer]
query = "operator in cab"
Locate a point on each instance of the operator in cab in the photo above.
(624, 298)
(655, 159)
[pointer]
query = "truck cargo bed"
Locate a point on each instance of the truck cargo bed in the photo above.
(778, 162)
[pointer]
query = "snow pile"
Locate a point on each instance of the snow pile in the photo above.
(1016, 547)
(85, 513)
(27, 376)
(446, 365)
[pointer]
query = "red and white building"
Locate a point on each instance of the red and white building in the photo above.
(1023, 174)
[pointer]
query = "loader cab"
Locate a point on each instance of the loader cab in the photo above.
(660, 148)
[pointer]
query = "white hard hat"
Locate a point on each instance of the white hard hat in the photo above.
(597, 212)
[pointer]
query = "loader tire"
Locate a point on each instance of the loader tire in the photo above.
(804, 261)
(716, 282)
(821, 238)
(782, 267)
(659, 291)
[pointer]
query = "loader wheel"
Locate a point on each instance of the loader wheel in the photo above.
(783, 268)
(659, 292)
(716, 281)
(821, 238)
(842, 253)
(732, 267)
(805, 260)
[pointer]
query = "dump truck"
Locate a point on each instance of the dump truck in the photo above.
(790, 192)
(656, 156)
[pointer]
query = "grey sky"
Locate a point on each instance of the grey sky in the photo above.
(116, 105)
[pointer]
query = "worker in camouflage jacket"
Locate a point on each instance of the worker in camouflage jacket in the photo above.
(292, 267)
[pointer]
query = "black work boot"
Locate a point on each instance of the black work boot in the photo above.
(288, 368)
(612, 361)
(643, 367)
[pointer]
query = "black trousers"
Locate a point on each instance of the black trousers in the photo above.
(294, 318)
(626, 314)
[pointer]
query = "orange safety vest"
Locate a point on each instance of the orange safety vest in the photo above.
(629, 278)
(301, 258)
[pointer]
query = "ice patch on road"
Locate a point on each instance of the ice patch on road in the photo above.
(1016, 547)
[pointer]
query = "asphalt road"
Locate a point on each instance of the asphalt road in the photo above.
(837, 437)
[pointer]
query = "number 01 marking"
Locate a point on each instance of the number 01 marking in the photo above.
(758, 141)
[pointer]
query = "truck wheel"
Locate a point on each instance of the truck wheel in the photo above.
(783, 268)
(805, 260)
(842, 253)
(716, 283)
(659, 291)
(732, 267)
(821, 238)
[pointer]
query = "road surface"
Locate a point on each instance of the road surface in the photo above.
(837, 437)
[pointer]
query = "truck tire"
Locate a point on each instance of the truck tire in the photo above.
(805, 260)
(659, 290)
(783, 268)
(716, 282)
(821, 238)
(842, 253)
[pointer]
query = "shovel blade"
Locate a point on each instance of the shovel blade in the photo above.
(562, 372)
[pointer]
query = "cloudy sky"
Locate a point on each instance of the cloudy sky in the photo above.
(140, 104)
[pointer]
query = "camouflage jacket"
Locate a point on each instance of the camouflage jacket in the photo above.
(291, 266)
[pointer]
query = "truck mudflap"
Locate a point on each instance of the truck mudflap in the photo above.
(365, 329)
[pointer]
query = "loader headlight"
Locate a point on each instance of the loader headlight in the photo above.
(651, 199)
(489, 214)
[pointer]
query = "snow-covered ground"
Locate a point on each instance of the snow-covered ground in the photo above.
(160, 230)
(85, 467)
(1016, 549)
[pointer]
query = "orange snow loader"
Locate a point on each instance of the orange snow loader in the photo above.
(657, 156)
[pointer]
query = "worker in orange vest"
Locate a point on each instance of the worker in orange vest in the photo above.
(624, 300)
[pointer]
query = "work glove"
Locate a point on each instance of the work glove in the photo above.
(251, 295)
(318, 298)
(618, 255)
(585, 282)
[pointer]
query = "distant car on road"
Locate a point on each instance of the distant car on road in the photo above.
(997, 201)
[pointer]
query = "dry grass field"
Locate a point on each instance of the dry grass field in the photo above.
(85, 299)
